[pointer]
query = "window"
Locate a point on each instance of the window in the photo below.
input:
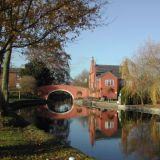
(18, 77)
(109, 124)
(18, 85)
(109, 82)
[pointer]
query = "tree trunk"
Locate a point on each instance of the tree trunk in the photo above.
(3, 104)
(5, 77)
(141, 98)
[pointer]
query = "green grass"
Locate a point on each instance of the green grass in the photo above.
(31, 143)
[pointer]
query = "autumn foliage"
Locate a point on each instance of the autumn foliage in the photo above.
(142, 74)
(46, 24)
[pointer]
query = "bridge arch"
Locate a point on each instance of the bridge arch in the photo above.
(75, 91)
(57, 90)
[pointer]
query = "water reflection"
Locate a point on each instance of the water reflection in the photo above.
(60, 101)
(59, 128)
(105, 134)
(98, 133)
(142, 137)
(100, 124)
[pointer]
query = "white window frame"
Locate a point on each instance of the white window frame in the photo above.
(109, 124)
(18, 77)
(109, 82)
(18, 85)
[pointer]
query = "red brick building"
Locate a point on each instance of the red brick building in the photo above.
(13, 78)
(104, 80)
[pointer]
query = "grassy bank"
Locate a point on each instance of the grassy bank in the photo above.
(29, 143)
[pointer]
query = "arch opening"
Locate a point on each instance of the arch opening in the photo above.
(60, 101)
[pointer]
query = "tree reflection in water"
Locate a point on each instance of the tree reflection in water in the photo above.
(142, 137)
(58, 127)
(100, 124)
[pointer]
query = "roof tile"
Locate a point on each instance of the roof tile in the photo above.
(115, 69)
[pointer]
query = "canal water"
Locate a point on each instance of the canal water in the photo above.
(104, 135)
(107, 135)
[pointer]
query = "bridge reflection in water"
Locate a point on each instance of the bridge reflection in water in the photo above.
(100, 124)
(79, 127)
(97, 134)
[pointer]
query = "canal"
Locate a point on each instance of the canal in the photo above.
(104, 135)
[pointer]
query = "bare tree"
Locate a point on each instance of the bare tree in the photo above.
(58, 63)
(81, 79)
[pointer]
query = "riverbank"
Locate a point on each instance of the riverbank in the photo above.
(28, 142)
(105, 105)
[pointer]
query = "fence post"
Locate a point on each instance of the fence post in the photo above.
(19, 95)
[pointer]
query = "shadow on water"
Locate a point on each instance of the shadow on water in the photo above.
(59, 128)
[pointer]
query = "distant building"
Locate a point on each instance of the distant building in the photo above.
(104, 80)
(14, 78)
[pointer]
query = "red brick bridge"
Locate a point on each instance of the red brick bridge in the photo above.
(74, 91)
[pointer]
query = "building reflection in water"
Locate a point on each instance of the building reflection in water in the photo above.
(101, 124)
(139, 135)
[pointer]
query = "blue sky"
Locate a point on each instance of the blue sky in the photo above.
(131, 23)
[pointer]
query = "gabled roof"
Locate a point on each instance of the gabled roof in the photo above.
(101, 69)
